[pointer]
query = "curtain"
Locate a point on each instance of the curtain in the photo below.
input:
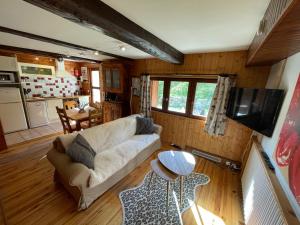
(145, 95)
(216, 118)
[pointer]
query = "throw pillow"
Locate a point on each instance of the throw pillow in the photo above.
(144, 125)
(80, 151)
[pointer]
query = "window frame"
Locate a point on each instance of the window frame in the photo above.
(190, 96)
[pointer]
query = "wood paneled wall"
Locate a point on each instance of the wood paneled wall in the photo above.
(189, 132)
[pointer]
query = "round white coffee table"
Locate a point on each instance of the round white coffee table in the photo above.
(171, 164)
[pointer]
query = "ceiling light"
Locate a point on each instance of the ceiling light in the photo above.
(36, 58)
(96, 53)
(123, 48)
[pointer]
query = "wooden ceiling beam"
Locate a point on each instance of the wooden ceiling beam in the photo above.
(45, 53)
(97, 15)
(56, 42)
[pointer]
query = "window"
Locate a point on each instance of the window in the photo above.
(178, 96)
(203, 96)
(187, 97)
(95, 78)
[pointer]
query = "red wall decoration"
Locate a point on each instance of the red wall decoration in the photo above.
(287, 153)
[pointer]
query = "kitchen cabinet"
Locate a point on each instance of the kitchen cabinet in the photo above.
(51, 109)
(37, 113)
(112, 111)
(8, 63)
(113, 76)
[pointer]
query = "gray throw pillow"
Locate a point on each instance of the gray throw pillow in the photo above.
(80, 151)
(144, 125)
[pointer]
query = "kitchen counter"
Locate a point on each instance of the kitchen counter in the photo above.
(35, 99)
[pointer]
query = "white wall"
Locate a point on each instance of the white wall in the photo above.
(288, 83)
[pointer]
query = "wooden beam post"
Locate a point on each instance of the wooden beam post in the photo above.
(97, 15)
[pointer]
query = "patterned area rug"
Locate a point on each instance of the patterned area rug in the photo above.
(142, 205)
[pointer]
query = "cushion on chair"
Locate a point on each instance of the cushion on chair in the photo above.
(144, 126)
(80, 151)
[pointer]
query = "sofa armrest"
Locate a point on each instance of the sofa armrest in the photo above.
(76, 174)
(157, 129)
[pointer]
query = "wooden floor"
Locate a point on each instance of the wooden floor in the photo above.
(29, 196)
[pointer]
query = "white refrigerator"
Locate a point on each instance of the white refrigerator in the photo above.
(12, 113)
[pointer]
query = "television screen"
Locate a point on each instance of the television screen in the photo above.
(257, 109)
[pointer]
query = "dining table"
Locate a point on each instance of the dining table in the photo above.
(79, 117)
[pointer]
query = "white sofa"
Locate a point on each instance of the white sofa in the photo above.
(118, 152)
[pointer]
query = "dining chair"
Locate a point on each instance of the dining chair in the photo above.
(70, 105)
(95, 117)
(96, 105)
(67, 126)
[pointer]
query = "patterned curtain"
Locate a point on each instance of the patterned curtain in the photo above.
(145, 95)
(216, 118)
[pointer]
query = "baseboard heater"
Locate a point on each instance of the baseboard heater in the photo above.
(207, 156)
(219, 160)
(264, 201)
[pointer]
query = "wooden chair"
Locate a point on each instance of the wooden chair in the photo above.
(95, 117)
(70, 105)
(96, 105)
(68, 128)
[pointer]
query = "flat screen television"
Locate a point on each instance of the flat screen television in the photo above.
(257, 109)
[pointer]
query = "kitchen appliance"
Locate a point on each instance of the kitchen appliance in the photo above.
(12, 113)
(7, 77)
(37, 113)
(257, 109)
(8, 63)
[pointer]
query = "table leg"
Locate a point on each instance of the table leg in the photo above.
(168, 187)
(78, 127)
(151, 175)
(181, 189)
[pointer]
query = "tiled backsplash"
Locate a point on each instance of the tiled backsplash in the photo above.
(47, 86)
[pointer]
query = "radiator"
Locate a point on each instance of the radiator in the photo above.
(260, 202)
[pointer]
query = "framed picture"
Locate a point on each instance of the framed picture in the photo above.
(136, 86)
(287, 154)
(26, 69)
(84, 73)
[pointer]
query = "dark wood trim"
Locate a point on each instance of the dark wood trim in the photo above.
(56, 42)
(97, 15)
(44, 53)
(191, 98)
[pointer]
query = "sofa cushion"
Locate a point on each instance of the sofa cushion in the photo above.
(110, 161)
(80, 151)
(106, 135)
(144, 125)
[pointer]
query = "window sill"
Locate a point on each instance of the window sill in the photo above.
(179, 114)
